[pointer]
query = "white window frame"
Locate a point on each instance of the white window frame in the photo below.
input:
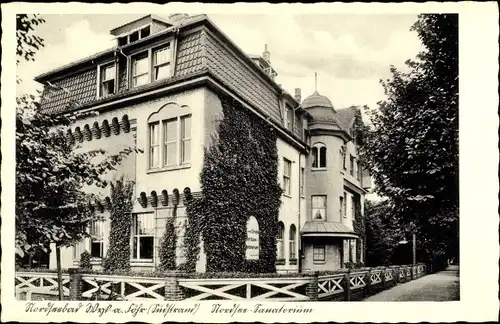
(138, 236)
(280, 242)
(97, 239)
(344, 207)
(156, 145)
(316, 208)
(168, 63)
(133, 59)
(287, 178)
(316, 159)
(100, 82)
(150, 57)
(352, 160)
(302, 182)
(289, 113)
(292, 239)
(179, 141)
(316, 248)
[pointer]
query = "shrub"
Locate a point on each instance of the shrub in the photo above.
(85, 260)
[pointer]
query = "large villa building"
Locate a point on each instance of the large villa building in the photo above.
(159, 90)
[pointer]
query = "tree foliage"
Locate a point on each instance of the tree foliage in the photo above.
(383, 233)
(412, 148)
(52, 205)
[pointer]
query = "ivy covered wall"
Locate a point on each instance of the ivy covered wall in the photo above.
(121, 197)
(239, 179)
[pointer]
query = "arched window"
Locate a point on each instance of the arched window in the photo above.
(293, 234)
(319, 156)
(279, 241)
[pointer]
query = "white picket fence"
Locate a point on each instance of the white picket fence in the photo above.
(269, 289)
(39, 283)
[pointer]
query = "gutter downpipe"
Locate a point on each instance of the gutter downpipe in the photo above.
(299, 238)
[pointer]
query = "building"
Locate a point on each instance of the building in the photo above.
(159, 90)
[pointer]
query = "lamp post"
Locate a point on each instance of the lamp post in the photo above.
(414, 248)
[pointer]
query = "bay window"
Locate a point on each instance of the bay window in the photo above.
(143, 236)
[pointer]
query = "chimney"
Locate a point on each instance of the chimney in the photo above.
(298, 95)
(176, 17)
(266, 55)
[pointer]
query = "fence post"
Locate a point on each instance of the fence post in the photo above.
(382, 277)
(347, 285)
(75, 284)
(368, 281)
(173, 291)
(395, 274)
(312, 287)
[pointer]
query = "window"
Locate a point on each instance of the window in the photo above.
(185, 139)
(344, 207)
(342, 157)
(145, 32)
(289, 118)
(318, 253)
(341, 205)
(140, 69)
(287, 172)
(108, 74)
(302, 181)
(161, 63)
(319, 156)
(352, 166)
(353, 207)
(143, 236)
(304, 128)
(175, 134)
(318, 207)
(170, 144)
(279, 241)
(293, 234)
(97, 239)
(154, 145)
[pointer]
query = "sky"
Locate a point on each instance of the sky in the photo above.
(349, 52)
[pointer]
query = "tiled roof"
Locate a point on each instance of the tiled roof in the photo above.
(78, 89)
(345, 116)
(325, 227)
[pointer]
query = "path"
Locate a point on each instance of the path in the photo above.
(440, 286)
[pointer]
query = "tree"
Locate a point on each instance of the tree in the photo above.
(383, 232)
(412, 148)
(52, 205)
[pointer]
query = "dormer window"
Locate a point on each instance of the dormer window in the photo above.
(161, 63)
(134, 36)
(289, 118)
(140, 69)
(107, 83)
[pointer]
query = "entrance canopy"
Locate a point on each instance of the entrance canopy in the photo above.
(327, 229)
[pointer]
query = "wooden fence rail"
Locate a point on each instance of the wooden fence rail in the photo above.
(343, 286)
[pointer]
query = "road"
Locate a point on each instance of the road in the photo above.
(440, 286)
